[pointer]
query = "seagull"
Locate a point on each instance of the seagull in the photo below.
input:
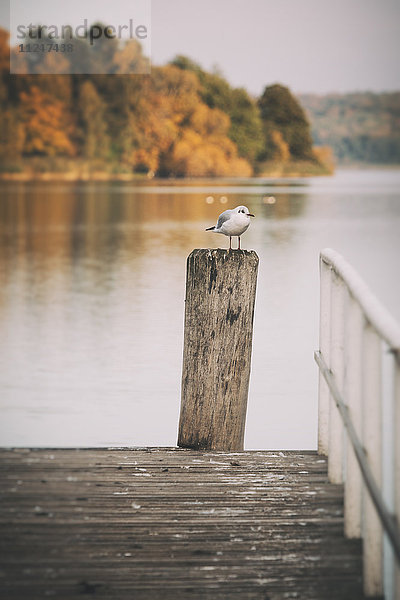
(233, 222)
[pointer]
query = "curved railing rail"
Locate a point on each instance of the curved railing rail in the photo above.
(358, 390)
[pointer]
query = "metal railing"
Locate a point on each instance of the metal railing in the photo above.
(359, 416)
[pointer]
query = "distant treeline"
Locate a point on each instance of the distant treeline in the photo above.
(179, 121)
(362, 127)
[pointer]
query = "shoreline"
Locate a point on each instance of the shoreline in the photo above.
(59, 169)
(275, 172)
(79, 176)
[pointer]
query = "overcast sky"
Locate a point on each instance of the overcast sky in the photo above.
(310, 45)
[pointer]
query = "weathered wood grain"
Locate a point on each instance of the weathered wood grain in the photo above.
(172, 524)
(219, 311)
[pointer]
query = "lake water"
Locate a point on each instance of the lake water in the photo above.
(92, 298)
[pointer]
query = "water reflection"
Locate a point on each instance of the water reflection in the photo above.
(67, 228)
(91, 302)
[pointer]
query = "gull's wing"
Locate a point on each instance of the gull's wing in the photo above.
(223, 217)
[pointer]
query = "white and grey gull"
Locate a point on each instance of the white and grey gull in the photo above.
(233, 222)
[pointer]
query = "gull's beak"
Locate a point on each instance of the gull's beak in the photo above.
(250, 215)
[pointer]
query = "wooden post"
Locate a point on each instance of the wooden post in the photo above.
(219, 311)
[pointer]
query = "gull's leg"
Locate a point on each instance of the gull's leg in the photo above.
(230, 242)
(239, 241)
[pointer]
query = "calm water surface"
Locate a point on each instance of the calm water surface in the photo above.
(92, 297)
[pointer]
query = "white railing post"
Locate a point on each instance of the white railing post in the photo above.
(324, 346)
(372, 441)
(354, 327)
(396, 437)
(336, 441)
(353, 395)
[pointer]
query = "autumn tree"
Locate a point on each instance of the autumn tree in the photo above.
(129, 59)
(245, 124)
(179, 121)
(11, 130)
(167, 100)
(47, 124)
(203, 147)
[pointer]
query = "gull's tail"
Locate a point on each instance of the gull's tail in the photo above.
(210, 228)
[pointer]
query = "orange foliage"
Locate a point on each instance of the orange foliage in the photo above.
(281, 148)
(194, 156)
(4, 51)
(210, 121)
(130, 59)
(325, 156)
(157, 123)
(181, 136)
(47, 124)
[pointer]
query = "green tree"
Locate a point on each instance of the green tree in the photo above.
(246, 126)
(280, 111)
(93, 131)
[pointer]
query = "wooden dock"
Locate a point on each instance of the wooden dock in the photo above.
(173, 524)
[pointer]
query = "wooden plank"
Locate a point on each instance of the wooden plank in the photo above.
(173, 524)
(219, 311)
